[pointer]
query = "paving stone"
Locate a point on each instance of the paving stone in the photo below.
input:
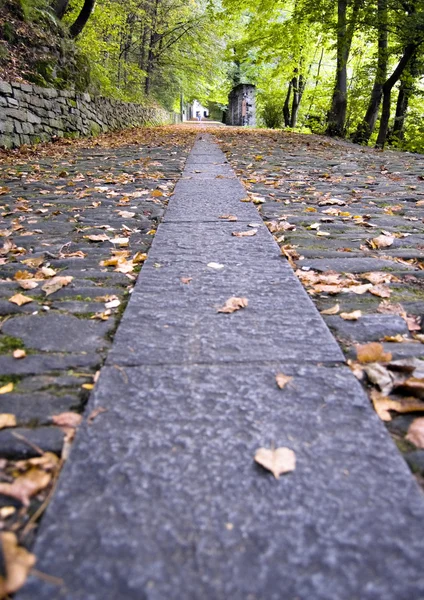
(353, 265)
(209, 522)
(48, 439)
(38, 408)
(58, 333)
(368, 328)
(34, 364)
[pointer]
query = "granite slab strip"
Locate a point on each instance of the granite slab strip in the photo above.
(161, 498)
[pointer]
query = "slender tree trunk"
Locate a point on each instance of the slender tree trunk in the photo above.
(337, 113)
(154, 37)
(387, 89)
(60, 7)
(397, 134)
(316, 81)
(366, 127)
(286, 107)
(82, 18)
(298, 89)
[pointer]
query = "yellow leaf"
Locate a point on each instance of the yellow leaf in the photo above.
(278, 461)
(56, 283)
(331, 311)
(373, 352)
(27, 485)
(157, 194)
(282, 380)
(233, 304)
(383, 405)
(228, 217)
(382, 241)
(6, 389)
(17, 561)
(20, 299)
(7, 420)
(352, 316)
(139, 257)
(87, 386)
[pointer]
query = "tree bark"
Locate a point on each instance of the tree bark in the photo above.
(387, 88)
(286, 107)
(82, 18)
(60, 7)
(366, 127)
(298, 88)
(337, 114)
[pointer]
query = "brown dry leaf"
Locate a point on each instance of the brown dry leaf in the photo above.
(383, 404)
(382, 291)
(228, 217)
(17, 563)
(56, 283)
(282, 380)
(380, 376)
(359, 289)
(249, 233)
(19, 353)
(386, 308)
(101, 237)
(157, 194)
(413, 322)
(27, 485)
(95, 413)
(415, 433)
(413, 385)
(278, 461)
(67, 419)
(233, 304)
(382, 241)
(378, 277)
(6, 389)
(186, 280)
(126, 214)
(372, 352)
(20, 299)
(33, 262)
(7, 420)
(331, 311)
(352, 316)
(139, 257)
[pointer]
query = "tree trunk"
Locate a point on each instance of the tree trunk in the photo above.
(82, 18)
(298, 88)
(60, 7)
(387, 88)
(366, 127)
(337, 113)
(153, 39)
(286, 107)
(398, 132)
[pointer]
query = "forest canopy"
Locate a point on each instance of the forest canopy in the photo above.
(348, 68)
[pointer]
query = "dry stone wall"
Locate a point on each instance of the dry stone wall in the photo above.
(30, 114)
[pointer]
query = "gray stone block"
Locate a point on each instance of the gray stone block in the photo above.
(5, 88)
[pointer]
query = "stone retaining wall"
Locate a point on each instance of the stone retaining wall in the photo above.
(30, 114)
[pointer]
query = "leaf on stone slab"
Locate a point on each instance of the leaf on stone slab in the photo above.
(186, 280)
(67, 420)
(359, 289)
(372, 352)
(216, 266)
(323, 233)
(331, 311)
(413, 322)
(232, 304)
(95, 413)
(18, 562)
(383, 405)
(100, 237)
(228, 217)
(7, 388)
(19, 353)
(126, 214)
(380, 376)
(56, 283)
(278, 460)
(352, 316)
(282, 380)
(20, 299)
(139, 257)
(27, 485)
(415, 433)
(413, 386)
(382, 291)
(27, 284)
(378, 277)
(249, 233)
(381, 241)
(35, 262)
(124, 241)
(386, 308)
(114, 303)
(7, 420)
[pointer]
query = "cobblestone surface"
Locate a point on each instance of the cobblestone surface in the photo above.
(325, 201)
(65, 210)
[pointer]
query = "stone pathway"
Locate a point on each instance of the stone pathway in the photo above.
(161, 498)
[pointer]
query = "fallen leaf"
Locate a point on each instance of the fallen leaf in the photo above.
(113, 303)
(413, 385)
(126, 214)
(383, 405)
(27, 485)
(233, 304)
(278, 461)
(413, 322)
(56, 283)
(20, 299)
(331, 311)
(214, 265)
(47, 272)
(282, 380)
(380, 376)
(27, 284)
(67, 419)
(359, 289)
(7, 420)
(249, 233)
(352, 316)
(382, 291)
(139, 257)
(382, 241)
(5, 389)
(378, 277)
(33, 262)
(228, 217)
(323, 233)
(101, 237)
(19, 353)
(95, 413)
(186, 279)
(386, 308)
(124, 241)
(17, 563)
(415, 433)
(372, 352)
